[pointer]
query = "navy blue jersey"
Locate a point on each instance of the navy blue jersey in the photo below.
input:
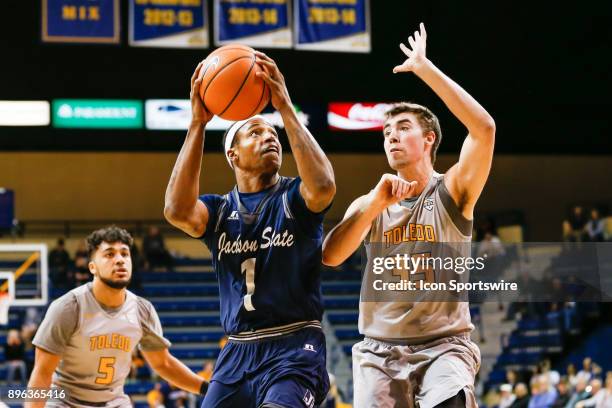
(267, 259)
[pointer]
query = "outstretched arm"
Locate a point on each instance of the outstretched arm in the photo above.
(173, 371)
(345, 238)
(318, 185)
(466, 179)
(182, 207)
(45, 364)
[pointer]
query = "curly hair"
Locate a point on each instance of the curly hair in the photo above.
(110, 234)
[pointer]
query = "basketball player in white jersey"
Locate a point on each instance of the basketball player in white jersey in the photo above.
(417, 353)
(84, 345)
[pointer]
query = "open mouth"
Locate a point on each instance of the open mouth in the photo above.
(271, 149)
(395, 149)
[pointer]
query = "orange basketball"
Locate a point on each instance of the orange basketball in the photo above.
(229, 86)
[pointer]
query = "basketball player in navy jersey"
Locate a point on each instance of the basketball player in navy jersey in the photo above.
(265, 237)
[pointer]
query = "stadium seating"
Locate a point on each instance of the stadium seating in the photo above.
(542, 337)
(188, 306)
(187, 302)
(596, 346)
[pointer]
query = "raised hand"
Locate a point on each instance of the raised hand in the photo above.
(199, 113)
(275, 80)
(416, 52)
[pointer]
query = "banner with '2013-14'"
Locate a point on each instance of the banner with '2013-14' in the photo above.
(258, 23)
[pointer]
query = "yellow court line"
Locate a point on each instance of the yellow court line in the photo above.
(20, 271)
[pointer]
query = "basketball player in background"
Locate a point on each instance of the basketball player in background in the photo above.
(84, 345)
(418, 353)
(265, 237)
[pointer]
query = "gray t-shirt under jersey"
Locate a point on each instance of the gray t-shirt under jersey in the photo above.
(96, 343)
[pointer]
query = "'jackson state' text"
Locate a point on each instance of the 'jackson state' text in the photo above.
(269, 238)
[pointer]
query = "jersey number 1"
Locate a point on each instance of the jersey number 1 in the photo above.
(248, 268)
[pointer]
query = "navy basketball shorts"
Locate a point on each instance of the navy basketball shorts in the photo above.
(282, 372)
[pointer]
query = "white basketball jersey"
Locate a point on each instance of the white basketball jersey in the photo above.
(98, 357)
(432, 218)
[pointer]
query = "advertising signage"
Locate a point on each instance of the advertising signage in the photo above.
(175, 114)
(97, 113)
(368, 117)
(24, 113)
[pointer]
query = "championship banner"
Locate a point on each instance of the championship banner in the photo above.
(258, 23)
(168, 23)
(80, 21)
(333, 25)
(367, 117)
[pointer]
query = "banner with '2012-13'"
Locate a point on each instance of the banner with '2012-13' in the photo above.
(168, 23)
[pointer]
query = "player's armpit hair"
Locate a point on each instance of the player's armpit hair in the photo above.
(204, 388)
(457, 401)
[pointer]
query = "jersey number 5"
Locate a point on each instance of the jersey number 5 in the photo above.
(248, 268)
(106, 369)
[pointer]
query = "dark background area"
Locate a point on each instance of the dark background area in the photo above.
(540, 68)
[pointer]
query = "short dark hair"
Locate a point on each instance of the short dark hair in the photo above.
(427, 120)
(110, 234)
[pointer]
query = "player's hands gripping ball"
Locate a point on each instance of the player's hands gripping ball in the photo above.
(199, 113)
(275, 80)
